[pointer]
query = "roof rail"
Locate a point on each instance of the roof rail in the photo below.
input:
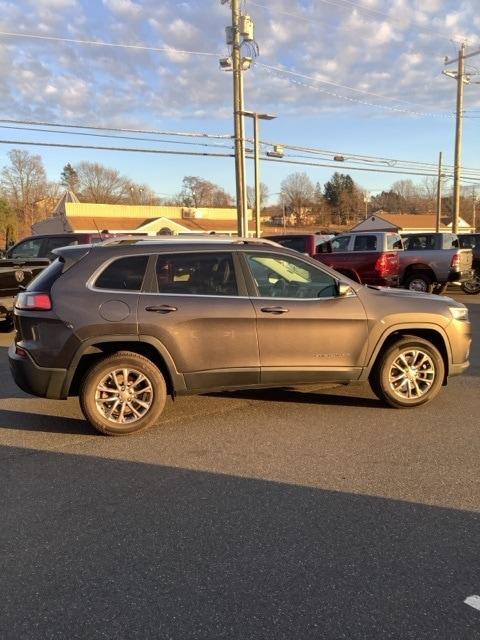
(207, 239)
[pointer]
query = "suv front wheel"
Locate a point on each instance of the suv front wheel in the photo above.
(122, 394)
(409, 373)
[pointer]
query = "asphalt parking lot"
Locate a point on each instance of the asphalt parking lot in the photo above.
(313, 513)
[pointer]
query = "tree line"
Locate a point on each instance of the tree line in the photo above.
(26, 194)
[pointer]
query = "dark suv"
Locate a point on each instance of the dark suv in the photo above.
(125, 325)
(25, 259)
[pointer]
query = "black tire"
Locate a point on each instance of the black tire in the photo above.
(391, 383)
(102, 387)
(419, 281)
(472, 287)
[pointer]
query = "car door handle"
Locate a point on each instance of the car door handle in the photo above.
(275, 310)
(163, 308)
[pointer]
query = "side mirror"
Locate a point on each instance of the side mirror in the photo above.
(344, 290)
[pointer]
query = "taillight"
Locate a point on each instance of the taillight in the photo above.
(30, 301)
(455, 265)
(387, 264)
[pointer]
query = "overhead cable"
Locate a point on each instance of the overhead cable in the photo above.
(280, 70)
(192, 134)
(116, 137)
(219, 155)
(100, 43)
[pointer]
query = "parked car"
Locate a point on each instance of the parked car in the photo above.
(432, 260)
(306, 243)
(125, 325)
(472, 241)
(25, 259)
(368, 258)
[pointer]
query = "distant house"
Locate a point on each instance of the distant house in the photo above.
(409, 223)
(71, 215)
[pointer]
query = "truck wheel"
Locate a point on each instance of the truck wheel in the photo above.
(472, 286)
(122, 394)
(420, 281)
(408, 374)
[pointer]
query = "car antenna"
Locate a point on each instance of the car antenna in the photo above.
(99, 232)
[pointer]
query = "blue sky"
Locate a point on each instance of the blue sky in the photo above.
(365, 70)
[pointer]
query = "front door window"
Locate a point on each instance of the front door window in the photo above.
(284, 277)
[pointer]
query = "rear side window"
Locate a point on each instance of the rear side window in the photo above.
(365, 243)
(124, 274)
(210, 274)
(45, 279)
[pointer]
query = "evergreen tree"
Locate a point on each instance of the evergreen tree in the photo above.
(69, 177)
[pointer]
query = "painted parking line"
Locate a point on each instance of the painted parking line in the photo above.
(473, 601)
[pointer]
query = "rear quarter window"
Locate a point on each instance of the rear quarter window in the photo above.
(45, 279)
(123, 274)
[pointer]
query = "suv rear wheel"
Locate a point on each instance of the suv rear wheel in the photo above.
(409, 373)
(122, 394)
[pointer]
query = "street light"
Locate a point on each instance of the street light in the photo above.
(256, 142)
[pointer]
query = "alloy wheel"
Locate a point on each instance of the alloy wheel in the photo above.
(124, 395)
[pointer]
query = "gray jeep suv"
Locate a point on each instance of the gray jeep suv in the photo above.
(123, 325)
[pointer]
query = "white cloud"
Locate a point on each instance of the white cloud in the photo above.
(125, 8)
(182, 30)
(325, 41)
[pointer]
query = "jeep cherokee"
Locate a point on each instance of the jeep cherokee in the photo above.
(123, 325)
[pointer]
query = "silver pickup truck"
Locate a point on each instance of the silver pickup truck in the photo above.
(430, 261)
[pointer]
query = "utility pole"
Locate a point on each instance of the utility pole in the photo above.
(239, 33)
(458, 138)
(239, 125)
(474, 209)
(439, 193)
(462, 79)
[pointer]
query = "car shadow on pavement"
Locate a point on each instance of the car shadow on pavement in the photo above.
(287, 394)
(93, 547)
(25, 421)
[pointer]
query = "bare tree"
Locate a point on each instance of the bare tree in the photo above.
(298, 192)
(197, 192)
(24, 183)
(142, 194)
(263, 196)
(100, 184)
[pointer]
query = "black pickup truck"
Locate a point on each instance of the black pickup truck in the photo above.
(28, 257)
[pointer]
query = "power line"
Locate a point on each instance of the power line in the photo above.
(365, 158)
(116, 137)
(218, 155)
(128, 149)
(371, 169)
(100, 43)
(279, 70)
(192, 134)
(353, 157)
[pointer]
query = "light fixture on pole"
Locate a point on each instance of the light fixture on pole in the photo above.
(256, 143)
